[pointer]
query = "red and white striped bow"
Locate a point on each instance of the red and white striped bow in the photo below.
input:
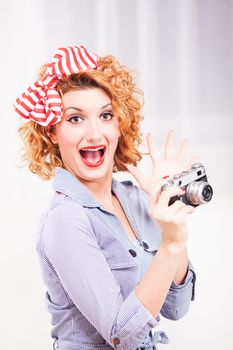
(41, 102)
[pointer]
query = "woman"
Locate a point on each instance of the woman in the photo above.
(113, 255)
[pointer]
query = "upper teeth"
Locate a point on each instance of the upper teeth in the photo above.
(92, 149)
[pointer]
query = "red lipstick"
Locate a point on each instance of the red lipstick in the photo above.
(93, 156)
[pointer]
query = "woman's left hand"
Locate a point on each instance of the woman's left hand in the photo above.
(162, 167)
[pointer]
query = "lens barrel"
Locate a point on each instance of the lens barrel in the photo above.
(198, 192)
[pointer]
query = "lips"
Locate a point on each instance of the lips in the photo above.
(93, 156)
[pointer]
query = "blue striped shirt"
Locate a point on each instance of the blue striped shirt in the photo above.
(90, 268)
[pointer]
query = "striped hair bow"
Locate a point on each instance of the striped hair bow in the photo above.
(41, 102)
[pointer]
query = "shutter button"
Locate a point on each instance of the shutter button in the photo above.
(145, 245)
(133, 253)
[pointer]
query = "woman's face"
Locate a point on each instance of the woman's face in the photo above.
(88, 134)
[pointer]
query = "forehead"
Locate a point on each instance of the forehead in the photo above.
(85, 98)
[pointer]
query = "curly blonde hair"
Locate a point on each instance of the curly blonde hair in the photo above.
(116, 80)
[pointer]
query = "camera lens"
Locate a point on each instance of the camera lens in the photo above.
(207, 193)
(198, 192)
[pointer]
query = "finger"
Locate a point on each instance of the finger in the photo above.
(168, 152)
(152, 148)
(176, 206)
(167, 194)
(136, 173)
(155, 192)
(173, 211)
(182, 151)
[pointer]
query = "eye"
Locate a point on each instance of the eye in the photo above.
(75, 119)
(107, 116)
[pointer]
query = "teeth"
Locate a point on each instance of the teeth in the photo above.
(92, 149)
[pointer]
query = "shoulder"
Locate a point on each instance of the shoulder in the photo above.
(132, 189)
(135, 193)
(132, 195)
(63, 219)
(64, 208)
(127, 183)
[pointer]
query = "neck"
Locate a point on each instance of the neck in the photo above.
(101, 191)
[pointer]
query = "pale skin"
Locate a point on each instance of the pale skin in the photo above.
(171, 261)
(93, 123)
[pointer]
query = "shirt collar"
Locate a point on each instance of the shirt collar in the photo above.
(68, 184)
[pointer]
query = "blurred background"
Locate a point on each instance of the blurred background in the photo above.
(182, 52)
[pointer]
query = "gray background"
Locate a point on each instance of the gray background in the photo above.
(182, 51)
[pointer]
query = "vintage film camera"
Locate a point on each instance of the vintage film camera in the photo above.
(194, 182)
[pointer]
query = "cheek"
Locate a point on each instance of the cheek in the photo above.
(67, 139)
(116, 133)
(113, 136)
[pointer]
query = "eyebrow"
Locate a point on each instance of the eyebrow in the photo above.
(80, 110)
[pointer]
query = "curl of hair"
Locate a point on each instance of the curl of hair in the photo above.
(116, 80)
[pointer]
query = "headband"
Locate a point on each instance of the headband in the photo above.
(41, 102)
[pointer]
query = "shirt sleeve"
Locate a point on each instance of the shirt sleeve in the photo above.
(178, 298)
(72, 249)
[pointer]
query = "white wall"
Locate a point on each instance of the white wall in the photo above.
(183, 52)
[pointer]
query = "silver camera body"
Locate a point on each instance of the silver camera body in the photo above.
(194, 182)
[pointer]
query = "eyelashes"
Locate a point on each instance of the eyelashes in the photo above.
(107, 115)
(76, 119)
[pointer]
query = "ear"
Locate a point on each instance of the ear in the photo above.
(51, 133)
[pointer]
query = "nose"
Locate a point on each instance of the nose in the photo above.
(93, 131)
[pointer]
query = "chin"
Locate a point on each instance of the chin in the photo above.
(94, 174)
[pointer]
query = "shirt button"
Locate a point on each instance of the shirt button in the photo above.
(116, 341)
(133, 253)
(145, 245)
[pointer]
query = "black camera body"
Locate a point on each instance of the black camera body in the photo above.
(194, 182)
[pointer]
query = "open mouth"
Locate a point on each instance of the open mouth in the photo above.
(93, 156)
